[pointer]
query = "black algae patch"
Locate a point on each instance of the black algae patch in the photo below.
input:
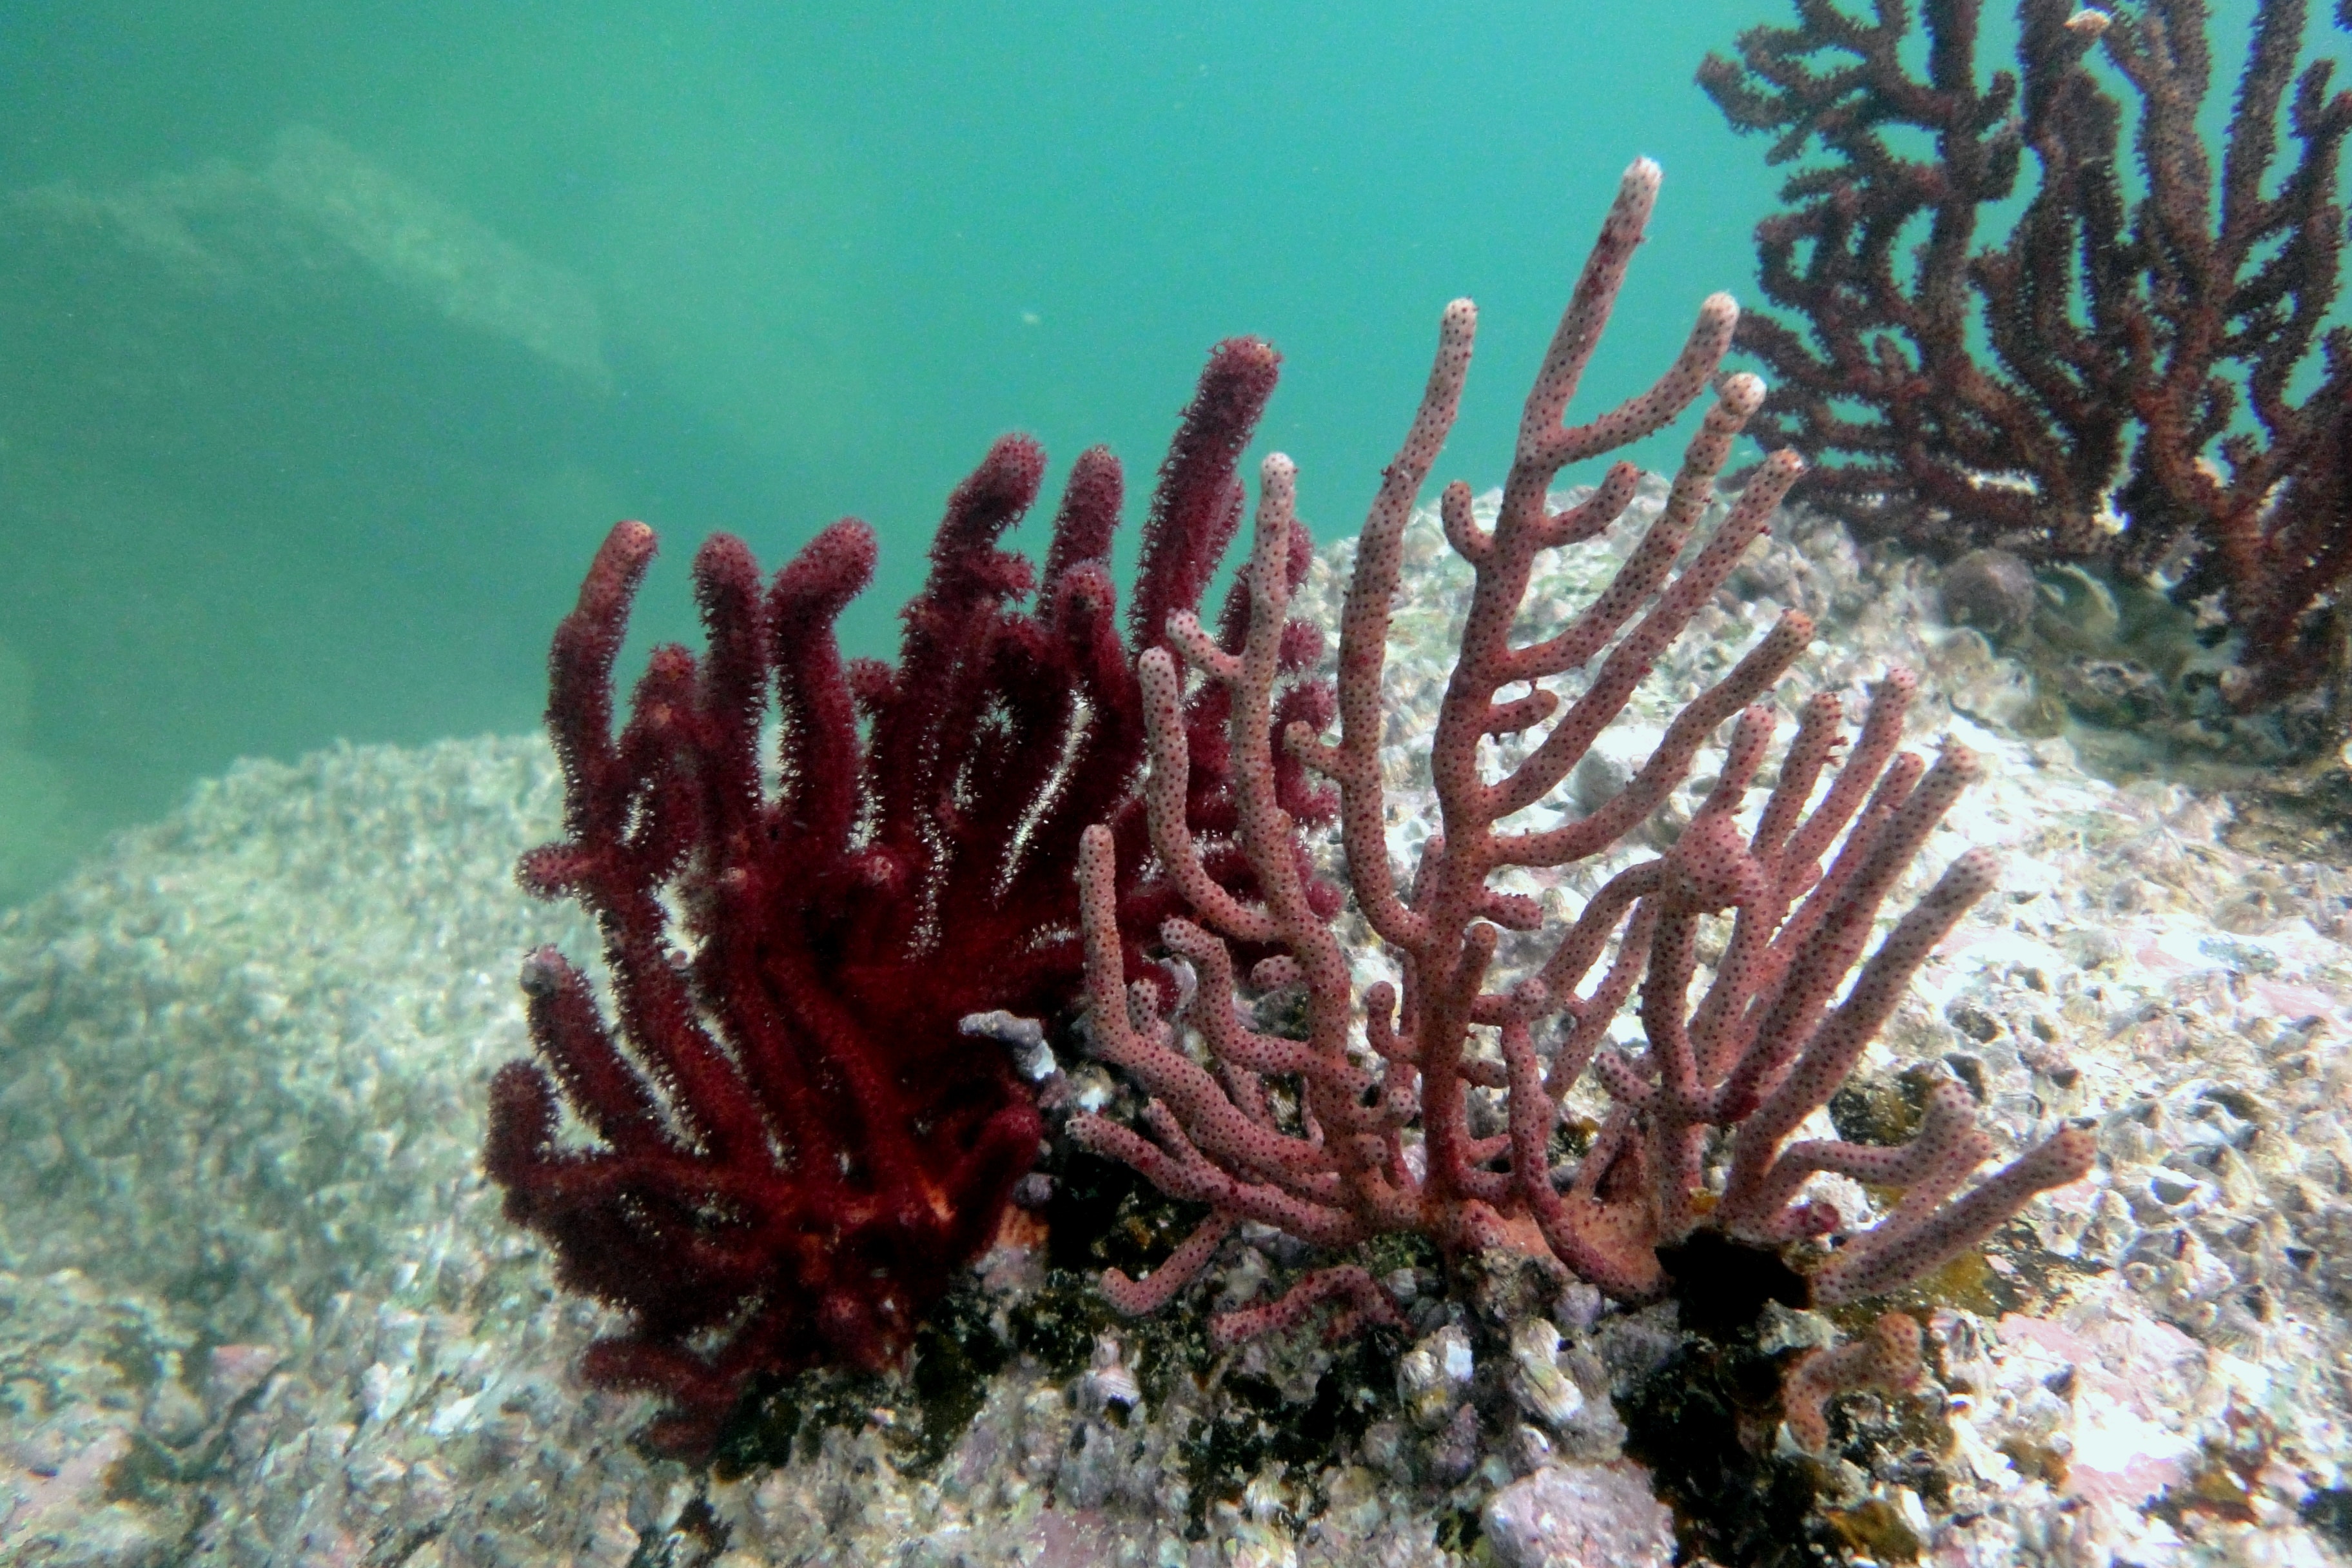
(1879, 1111)
(1253, 1426)
(1720, 1286)
(1703, 1423)
(1706, 1423)
(1059, 1324)
(1103, 1214)
(922, 1411)
(775, 1412)
(2328, 1511)
(1459, 1531)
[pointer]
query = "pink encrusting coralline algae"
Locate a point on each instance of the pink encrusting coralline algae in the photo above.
(1346, 1134)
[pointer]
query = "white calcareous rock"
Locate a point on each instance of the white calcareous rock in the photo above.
(1581, 1516)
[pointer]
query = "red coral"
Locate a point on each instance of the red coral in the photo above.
(794, 1147)
(2115, 381)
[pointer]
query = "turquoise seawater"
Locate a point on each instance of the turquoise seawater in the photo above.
(333, 337)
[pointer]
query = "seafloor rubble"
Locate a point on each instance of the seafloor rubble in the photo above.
(259, 1306)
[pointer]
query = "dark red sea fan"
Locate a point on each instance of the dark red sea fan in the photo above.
(2141, 374)
(786, 1147)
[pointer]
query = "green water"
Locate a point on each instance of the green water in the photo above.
(333, 337)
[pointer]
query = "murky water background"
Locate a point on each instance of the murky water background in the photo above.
(332, 338)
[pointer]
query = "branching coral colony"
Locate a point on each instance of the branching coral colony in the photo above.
(1379, 1141)
(2106, 425)
(793, 1146)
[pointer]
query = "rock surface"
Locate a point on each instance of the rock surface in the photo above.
(1580, 1516)
(257, 1306)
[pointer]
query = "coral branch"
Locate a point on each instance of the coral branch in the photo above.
(2146, 338)
(790, 1147)
(1888, 1360)
(1332, 1161)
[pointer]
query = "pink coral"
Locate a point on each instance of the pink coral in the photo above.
(1331, 1160)
(1887, 1360)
